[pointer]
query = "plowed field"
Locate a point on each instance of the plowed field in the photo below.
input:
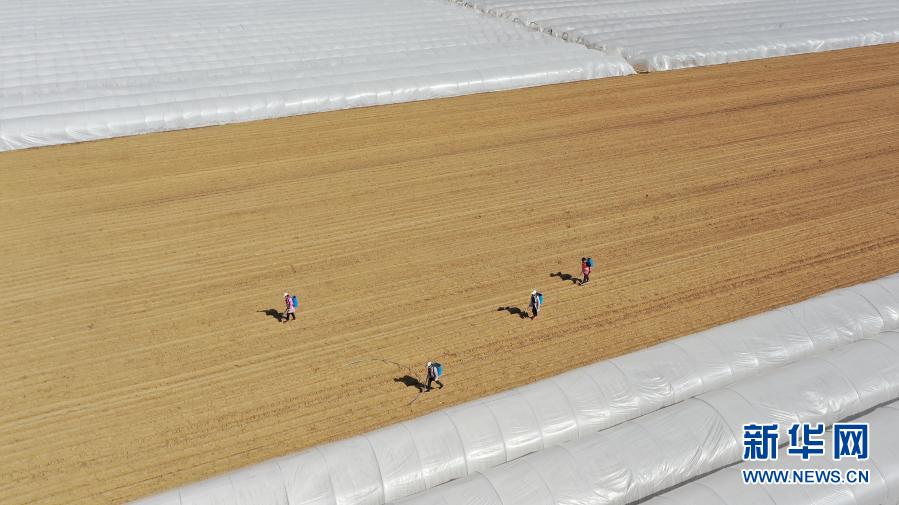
(140, 276)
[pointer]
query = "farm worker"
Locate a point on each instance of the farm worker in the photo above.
(586, 268)
(535, 303)
(433, 372)
(290, 307)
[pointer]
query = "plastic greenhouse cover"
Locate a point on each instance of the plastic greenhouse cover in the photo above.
(421, 453)
(668, 447)
(726, 487)
(669, 34)
(93, 69)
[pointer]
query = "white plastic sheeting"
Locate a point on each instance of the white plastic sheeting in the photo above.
(668, 34)
(415, 455)
(91, 69)
(638, 458)
(726, 487)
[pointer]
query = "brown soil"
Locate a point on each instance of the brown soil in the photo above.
(136, 351)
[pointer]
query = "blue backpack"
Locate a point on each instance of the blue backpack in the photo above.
(590, 262)
(540, 297)
(439, 368)
(296, 303)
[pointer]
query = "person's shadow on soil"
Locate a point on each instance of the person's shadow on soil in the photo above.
(565, 277)
(273, 313)
(514, 311)
(410, 381)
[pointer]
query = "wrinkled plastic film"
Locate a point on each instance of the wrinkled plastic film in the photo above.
(671, 446)
(671, 34)
(726, 487)
(70, 75)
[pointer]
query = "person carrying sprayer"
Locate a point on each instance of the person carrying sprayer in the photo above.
(290, 307)
(434, 370)
(586, 269)
(536, 302)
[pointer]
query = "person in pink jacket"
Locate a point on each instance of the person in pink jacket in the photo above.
(585, 271)
(289, 308)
